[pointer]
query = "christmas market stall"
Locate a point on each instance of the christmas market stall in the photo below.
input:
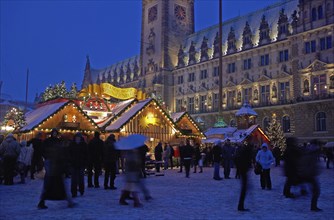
(62, 114)
(144, 117)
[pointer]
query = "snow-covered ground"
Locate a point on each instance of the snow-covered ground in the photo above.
(175, 197)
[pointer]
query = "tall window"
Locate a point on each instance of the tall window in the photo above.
(247, 64)
(283, 55)
(319, 84)
(180, 80)
(320, 124)
(326, 43)
(266, 122)
(310, 46)
(314, 14)
(247, 95)
(191, 77)
(331, 82)
(286, 124)
(231, 98)
(264, 60)
(204, 74)
(215, 101)
(265, 93)
(284, 91)
(202, 103)
(320, 12)
(215, 71)
(231, 68)
(179, 105)
(191, 104)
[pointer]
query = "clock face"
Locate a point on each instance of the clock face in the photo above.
(180, 12)
(152, 13)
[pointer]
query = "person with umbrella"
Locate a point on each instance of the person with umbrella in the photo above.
(133, 180)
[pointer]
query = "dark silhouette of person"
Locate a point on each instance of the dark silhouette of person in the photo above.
(243, 165)
(37, 160)
(110, 157)
(78, 158)
(142, 151)
(228, 152)
(158, 156)
(217, 157)
(95, 149)
(188, 152)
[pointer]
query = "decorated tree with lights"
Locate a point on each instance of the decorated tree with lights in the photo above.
(73, 92)
(15, 118)
(47, 94)
(276, 135)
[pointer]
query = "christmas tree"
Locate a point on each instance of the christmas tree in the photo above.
(73, 92)
(276, 135)
(15, 118)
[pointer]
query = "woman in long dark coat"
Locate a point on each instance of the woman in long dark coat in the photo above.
(54, 183)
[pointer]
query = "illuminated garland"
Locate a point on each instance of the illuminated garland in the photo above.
(17, 116)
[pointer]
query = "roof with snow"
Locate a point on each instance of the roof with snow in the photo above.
(246, 109)
(177, 115)
(126, 116)
(37, 116)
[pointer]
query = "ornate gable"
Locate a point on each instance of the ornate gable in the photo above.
(245, 81)
(263, 78)
(316, 65)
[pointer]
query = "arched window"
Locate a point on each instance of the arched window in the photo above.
(314, 14)
(320, 12)
(286, 124)
(320, 121)
(266, 122)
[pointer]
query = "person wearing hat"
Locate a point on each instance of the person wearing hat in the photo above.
(265, 158)
(37, 160)
(110, 157)
(9, 150)
(95, 157)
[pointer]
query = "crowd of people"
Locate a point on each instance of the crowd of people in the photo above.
(61, 158)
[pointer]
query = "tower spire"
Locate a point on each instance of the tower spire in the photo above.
(87, 63)
(87, 77)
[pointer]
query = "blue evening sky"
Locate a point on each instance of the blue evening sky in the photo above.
(52, 38)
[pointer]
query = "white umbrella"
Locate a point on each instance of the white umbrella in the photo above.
(329, 145)
(131, 142)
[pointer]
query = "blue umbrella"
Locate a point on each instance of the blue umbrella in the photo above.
(131, 142)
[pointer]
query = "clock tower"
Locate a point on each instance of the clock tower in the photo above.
(165, 25)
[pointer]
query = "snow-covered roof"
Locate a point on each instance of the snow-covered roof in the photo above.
(177, 115)
(126, 116)
(35, 117)
(223, 131)
(115, 111)
(246, 109)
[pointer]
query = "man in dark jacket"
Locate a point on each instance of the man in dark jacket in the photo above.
(110, 157)
(78, 158)
(244, 163)
(217, 156)
(95, 149)
(228, 152)
(37, 160)
(158, 156)
(188, 152)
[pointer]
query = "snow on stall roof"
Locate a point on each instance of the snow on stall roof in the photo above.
(232, 133)
(127, 115)
(119, 107)
(246, 109)
(224, 131)
(177, 115)
(35, 117)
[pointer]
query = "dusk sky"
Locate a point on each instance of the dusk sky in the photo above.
(52, 38)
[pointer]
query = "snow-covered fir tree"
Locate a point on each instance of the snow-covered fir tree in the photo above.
(16, 116)
(276, 135)
(73, 92)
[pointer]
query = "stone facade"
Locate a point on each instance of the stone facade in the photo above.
(279, 59)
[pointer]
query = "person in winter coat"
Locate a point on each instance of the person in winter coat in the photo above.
(110, 157)
(24, 160)
(37, 160)
(158, 156)
(95, 151)
(166, 154)
(188, 152)
(217, 157)
(78, 158)
(54, 187)
(244, 158)
(228, 153)
(265, 158)
(9, 151)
